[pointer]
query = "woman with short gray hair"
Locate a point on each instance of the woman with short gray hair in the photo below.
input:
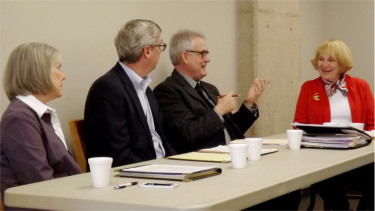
(32, 144)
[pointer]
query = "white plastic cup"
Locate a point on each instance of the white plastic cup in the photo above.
(357, 125)
(238, 154)
(100, 168)
(255, 148)
(294, 138)
(331, 124)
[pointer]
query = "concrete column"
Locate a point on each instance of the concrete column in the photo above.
(269, 46)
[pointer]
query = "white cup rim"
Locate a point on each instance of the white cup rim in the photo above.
(237, 145)
(357, 123)
(253, 139)
(332, 124)
(294, 131)
(100, 160)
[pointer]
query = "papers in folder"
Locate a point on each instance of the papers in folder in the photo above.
(219, 154)
(339, 137)
(333, 141)
(170, 172)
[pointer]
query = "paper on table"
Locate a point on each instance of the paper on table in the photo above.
(219, 154)
(203, 156)
(267, 141)
(275, 141)
(225, 149)
(371, 133)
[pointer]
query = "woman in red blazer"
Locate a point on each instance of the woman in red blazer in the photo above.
(350, 97)
(340, 98)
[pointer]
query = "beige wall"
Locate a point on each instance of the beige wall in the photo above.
(84, 33)
(274, 28)
(348, 20)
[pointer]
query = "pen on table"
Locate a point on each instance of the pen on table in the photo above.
(120, 186)
(234, 95)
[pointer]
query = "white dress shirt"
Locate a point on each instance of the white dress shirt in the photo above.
(40, 108)
(140, 85)
(340, 109)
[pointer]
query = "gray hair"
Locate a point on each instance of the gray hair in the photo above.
(182, 41)
(133, 37)
(29, 69)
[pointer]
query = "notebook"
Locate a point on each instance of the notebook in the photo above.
(170, 172)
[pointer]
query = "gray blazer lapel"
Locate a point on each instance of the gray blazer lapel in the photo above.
(190, 90)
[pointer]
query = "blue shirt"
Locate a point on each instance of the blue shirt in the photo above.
(140, 85)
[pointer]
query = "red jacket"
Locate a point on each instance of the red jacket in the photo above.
(313, 104)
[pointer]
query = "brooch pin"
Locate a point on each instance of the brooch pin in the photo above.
(316, 96)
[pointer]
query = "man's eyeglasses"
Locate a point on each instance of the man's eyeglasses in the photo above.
(161, 46)
(203, 53)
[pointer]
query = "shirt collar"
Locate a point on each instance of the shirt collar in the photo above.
(35, 104)
(137, 81)
(190, 81)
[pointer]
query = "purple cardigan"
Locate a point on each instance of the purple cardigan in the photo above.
(30, 149)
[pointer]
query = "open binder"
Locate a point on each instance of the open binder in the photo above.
(334, 137)
(170, 172)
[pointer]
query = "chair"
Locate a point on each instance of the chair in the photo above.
(1, 202)
(76, 130)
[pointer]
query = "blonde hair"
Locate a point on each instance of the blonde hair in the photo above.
(29, 68)
(338, 50)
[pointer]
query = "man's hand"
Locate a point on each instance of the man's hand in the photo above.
(225, 103)
(255, 91)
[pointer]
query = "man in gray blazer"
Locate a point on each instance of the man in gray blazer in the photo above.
(195, 114)
(122, 116)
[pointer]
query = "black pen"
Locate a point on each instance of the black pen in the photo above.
(120, 186)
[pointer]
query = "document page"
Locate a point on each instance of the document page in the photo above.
(220, 157)
(225, 149)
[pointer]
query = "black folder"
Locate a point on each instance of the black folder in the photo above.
(333, 137)
(170, 172)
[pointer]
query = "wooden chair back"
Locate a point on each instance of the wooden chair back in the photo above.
(1, 202)
(77, 130)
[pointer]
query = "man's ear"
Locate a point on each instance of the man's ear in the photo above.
(147, 51)
(184, 57)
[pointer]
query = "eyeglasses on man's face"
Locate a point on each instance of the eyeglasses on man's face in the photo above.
(203, 53)
(161, 46)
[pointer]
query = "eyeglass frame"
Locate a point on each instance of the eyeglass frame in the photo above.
(161, 46)
(203, 53)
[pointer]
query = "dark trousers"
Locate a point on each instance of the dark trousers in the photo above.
(364, 179)
(333, 190)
